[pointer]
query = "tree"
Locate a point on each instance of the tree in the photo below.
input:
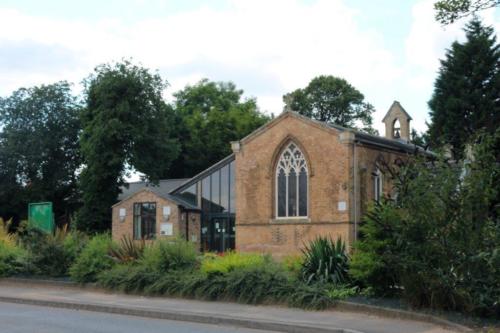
(438, 241)
(126, 124)
(448, 11)
(210, 115)
(332, 99)
(466, 91)
(39, 151)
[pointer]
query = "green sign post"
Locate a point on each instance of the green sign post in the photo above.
(41, 216)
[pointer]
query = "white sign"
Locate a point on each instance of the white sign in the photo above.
(166, 229)
(166, 210)
(123, 212)
(342, 206)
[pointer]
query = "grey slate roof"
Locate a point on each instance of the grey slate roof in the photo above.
(162, 189)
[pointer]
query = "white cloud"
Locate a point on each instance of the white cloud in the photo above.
(267, 48)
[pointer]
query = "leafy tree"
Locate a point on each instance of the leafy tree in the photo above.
(126, 123)
(209, 116)
(39, 151)
(332, 99)
(465, 97)
(448, 11)
(438, 241)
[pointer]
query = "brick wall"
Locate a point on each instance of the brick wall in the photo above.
(328, 163)
(177, 218)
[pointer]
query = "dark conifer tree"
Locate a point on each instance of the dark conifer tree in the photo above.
(466, 95)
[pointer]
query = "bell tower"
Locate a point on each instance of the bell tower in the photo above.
(397, 123)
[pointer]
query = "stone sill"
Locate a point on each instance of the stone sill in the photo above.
(290, 221)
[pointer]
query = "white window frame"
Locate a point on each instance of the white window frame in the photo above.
(287, 166)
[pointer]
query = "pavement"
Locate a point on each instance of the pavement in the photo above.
(271, 318)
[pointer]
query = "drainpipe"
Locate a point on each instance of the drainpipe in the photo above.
(355, 183)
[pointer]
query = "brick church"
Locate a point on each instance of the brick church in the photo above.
(286, 183)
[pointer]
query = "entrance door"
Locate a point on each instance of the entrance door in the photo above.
(219, 234)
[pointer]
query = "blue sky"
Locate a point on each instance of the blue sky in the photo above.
(388, 49)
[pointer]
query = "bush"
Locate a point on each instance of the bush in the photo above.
(163, 256)
(5, 235)
(93, 259)
(438, 241)
(51, 254)
(325, 261)
(128, 250)
(128, 278)
(230, 261)
(12, 259)
(293, 264)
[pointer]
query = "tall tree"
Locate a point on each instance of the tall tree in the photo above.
(448, 11)
(332, 99)
(210, 116)
(126, 123)
(467, 89)
(39, 151)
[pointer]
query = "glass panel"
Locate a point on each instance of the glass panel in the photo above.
(216, 187)
(303, 193)
(190, 195)
(232, 188)
(205, 194)
(224, 188)
(216, 207)
(292, 194)
(281, 193)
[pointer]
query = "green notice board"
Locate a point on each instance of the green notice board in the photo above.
(40, 216)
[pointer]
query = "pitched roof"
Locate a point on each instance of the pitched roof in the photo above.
(162, 189)
(363, 137)
(398, 105)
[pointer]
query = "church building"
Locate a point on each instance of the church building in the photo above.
(286, 183)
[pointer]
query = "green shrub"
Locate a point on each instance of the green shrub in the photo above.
(230, 261)
(93, 259)
(128, 278)
(12, 259)
(74, 243)
(128, 250)
(51, 254)
(315, 296)
(293, 264)
(375, 259)
(255, 283)
(325, 261)
(438, 241)
(163, 256)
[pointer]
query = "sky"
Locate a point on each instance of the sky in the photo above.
(388, 49)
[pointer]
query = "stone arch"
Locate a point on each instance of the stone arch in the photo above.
(282, 146)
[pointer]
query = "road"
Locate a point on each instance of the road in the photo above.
(17, 318)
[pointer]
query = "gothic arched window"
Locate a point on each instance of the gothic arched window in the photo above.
(291, 183)
(378, 185)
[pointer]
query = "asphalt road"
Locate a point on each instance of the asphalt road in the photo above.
(17, 318)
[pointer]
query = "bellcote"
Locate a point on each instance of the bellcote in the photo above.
(397, 123)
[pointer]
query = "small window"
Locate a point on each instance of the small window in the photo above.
(378, 185)
(144, 220)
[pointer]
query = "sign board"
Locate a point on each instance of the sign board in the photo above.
(40, 216)
(342, 206)
(166, 229)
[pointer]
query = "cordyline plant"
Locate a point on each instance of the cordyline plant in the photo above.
(325, 261)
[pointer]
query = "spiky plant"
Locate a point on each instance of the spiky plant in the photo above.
(5, 236)
(129, 250)
(325, 261)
